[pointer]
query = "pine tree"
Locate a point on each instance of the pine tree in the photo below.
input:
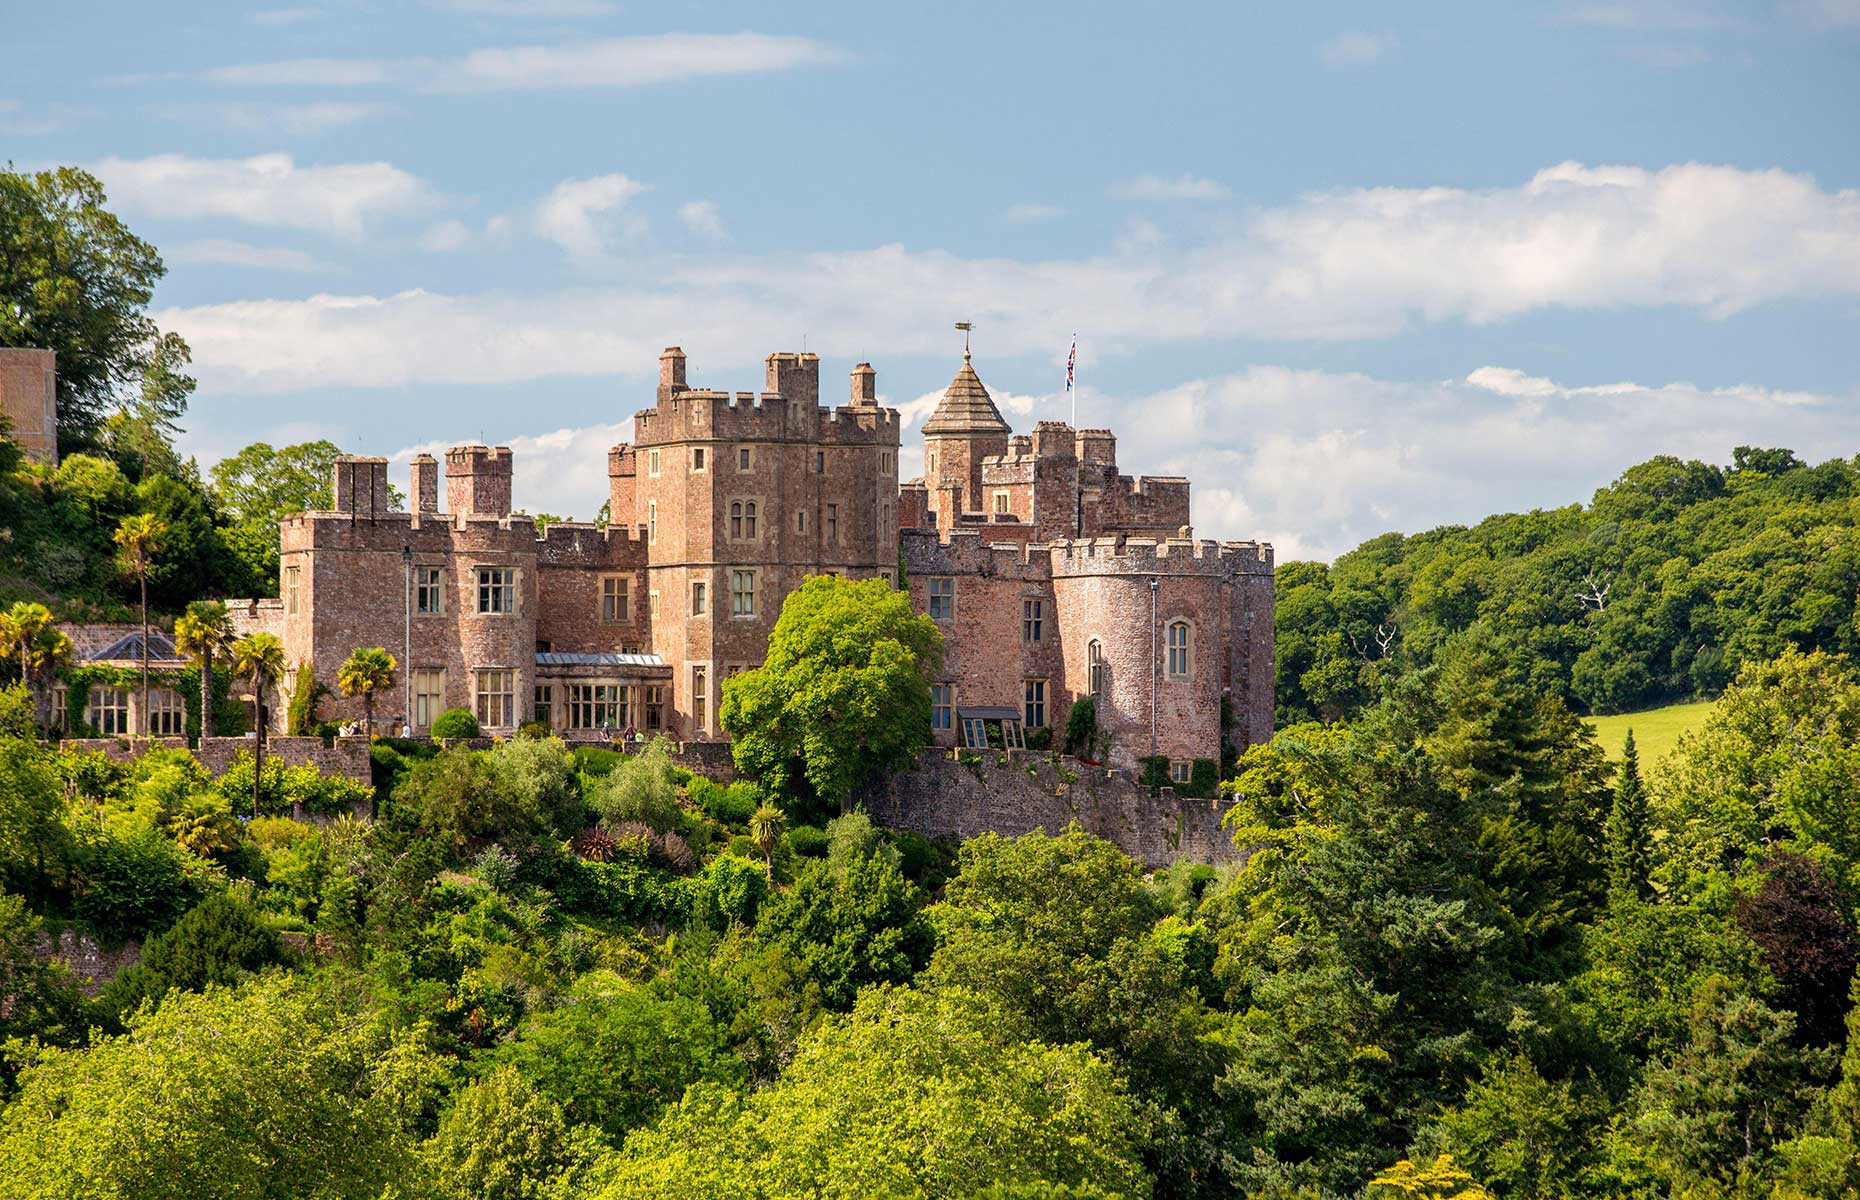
(1628, 840)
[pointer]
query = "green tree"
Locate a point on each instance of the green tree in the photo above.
(842, 693)
(504, 1140)
(37, 998)
(365, 673)
(1628, 837)
(261, 484)
(1713, 1112)
(614, 1054)
(28, 638)
(851, 928)
(218, 941)
(930, 1096)
(301, 1090)
(766, 825)
(138, 539)
(74, 280)
(201, 633)
(1440, 1179)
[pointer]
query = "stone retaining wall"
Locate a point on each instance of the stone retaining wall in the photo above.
(1016, 791)
(348, 757)
(93, 963)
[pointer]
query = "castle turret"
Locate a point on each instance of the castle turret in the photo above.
(622, 481)
(965, 428)
(796, 377)
(478, 480)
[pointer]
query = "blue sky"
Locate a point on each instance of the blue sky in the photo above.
(1351, 267)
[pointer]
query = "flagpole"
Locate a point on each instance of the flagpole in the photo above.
(1078, 456)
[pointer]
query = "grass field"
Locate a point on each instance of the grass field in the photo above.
(1656, 731)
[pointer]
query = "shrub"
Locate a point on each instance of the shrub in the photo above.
(641, 788)
(596, 760)
(625, 889)
(324, 795)
(218, 941)
(455, 723)
(732, 805)
(729, 891)
(1081, 726)
(136, 884)
(809, 841)
(536, 772)
(535, 731)
(927, 862)
(1041, 738)
(300, 719)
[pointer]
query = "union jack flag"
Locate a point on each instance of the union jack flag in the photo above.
(1072, 357)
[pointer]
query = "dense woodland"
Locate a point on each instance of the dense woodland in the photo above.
(1467, 956)
(1661, 589)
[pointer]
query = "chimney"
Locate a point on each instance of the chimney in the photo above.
(864, 384)
(796, 377)
(425, 484)
(360, 486)
(671, 371)
(478, 480)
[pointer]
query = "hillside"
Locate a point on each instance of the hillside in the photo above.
(1658, 590)
(1656, 730)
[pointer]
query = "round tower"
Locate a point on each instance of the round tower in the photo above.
(1145, 627)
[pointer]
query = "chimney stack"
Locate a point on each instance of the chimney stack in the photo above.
(425, 484)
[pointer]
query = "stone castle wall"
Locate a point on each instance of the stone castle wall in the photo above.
(1015, 792)
(29, 401)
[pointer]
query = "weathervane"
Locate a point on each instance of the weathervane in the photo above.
(965, 326)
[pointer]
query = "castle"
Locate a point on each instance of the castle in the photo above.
(1052, 576)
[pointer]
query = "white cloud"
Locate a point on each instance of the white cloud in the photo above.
(269, 189)
(21, 120)
(445, 236)
(622, 62)
(1183, 187)
(1025, 213)
(702, 218)
(579, 215)
(1317, 462)
(1828, 14)
(1645, 14)
(1342, 265)
(1354, 48)
(1670, 57)
(309, 72)
(302, 120)
(227, 253)
(563, 471)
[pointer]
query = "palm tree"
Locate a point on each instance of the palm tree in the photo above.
(363, 673)
(203, 631)
(20, 627)
(765, 829)
(51, 652)
(137, 539)
(26, 634)
(259, 658)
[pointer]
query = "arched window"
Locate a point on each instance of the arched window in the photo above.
(1094, 668)
(736, 518)
(1181, 650)
(749, 520)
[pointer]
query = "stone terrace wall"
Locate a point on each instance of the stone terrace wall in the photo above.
(942, 797)
(91, 961)
(349, 756)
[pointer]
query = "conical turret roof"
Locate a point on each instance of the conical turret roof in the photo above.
(966, 407)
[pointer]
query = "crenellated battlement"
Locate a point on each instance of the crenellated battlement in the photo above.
(969, 552)
(788, 409)
(1150, 556)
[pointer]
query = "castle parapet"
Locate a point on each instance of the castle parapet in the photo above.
(478, 480)
(1151, 556)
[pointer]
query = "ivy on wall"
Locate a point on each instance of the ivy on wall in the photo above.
(229, 713)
